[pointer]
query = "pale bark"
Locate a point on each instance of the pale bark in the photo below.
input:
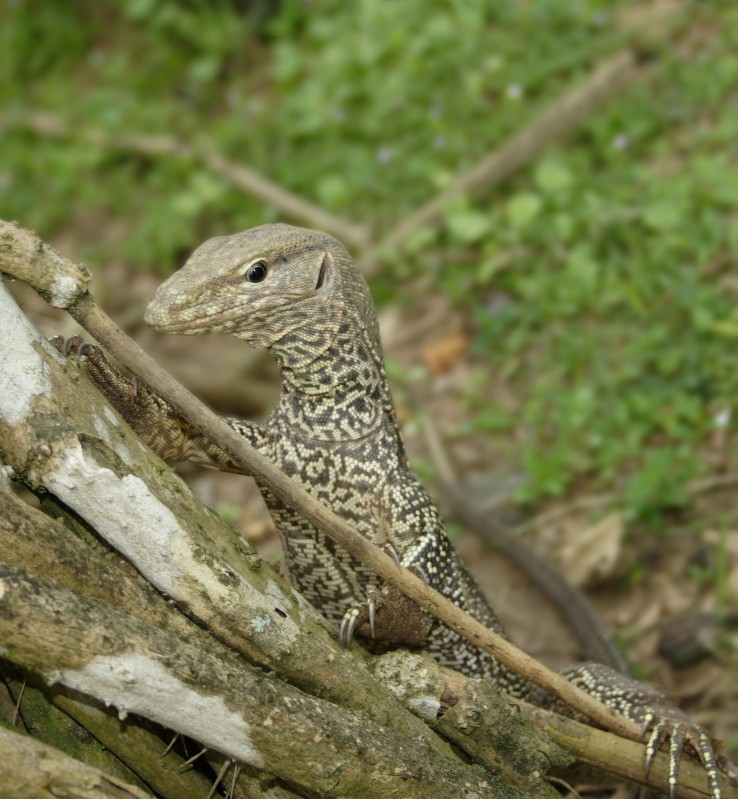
(75, 467)
(218, 699)
(59, 434)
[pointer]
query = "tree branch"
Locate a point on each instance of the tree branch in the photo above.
(242, 177)
(558, 120)
(43, 771)
(58, 433)
(61, 479)
(216, 698)
(488, 727)
(555, 122)
(43, 546)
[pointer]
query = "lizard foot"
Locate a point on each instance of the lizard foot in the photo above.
(658, 726)
(149, 416)
(157, 422)
(386, 616)
(661, 722)
(122, 392)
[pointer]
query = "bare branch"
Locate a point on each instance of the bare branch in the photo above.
(626, 759)
(559, 120)
(484, 724)
(61, 479)
(247, 180)
(43, 771)
(216, 698)
(43, 546)
(88, 457)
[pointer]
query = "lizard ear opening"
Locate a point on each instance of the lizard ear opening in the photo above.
(321, 274)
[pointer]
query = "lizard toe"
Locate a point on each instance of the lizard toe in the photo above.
(728, 768)
(372, 603)
(348, 624)
(389, 548)
(679, 733)
(358, 617)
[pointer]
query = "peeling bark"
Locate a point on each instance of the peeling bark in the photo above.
(217, 699)
(58, 434)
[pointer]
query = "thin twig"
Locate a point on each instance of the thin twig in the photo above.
(573, 606)
(521, 148)
(557, 121)
(18, 703)
(18, 247)
(219, 777)
(153, 145)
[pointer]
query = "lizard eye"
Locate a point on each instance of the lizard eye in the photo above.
(257, 272)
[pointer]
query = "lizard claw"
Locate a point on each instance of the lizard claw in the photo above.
(68, 344)
(348, 623)
(73, 346)
(372, 612)
(84, 349)
(389, 548)
(421, 573)
(359, 615)
(657, 728)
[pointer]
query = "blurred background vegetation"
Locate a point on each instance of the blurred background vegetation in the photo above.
(592, 292)
(599, 281)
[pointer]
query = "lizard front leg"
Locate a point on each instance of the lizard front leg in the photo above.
(408, 526)
(155, 421)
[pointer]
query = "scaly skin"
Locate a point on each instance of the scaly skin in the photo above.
(298, 294)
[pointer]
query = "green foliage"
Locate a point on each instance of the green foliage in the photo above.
(600, 289)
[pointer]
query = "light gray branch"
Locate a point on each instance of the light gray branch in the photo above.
(219, 700)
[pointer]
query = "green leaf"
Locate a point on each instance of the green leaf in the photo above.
(522, 209)
(663, 215)
(468, 226)
(552, 177)
(726, 327)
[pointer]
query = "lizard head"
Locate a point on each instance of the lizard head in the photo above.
(275, 286)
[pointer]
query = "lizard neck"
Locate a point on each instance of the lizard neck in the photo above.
(341, 394)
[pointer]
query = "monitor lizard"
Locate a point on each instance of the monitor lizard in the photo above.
(298, 294)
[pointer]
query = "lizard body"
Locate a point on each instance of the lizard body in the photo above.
(334, 429)
(299, 294)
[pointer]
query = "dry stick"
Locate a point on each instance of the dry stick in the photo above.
(352, 235)
(572, 605)
(623, 758)
(24, 256)
(86, 311)
(249, 181)
(558, 120)
(63, 283)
